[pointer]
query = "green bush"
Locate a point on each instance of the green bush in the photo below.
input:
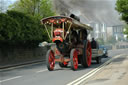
(9, 29)
(19, 29)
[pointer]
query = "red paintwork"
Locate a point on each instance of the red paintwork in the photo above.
(75, 59)
(65, 63)
(57, 38)
(89, 53)
(58, 35)
(51, 60)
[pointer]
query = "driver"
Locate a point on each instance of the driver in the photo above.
(74, 37)
(94, 44)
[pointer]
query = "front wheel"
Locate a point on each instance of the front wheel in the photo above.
(74, 59)
(50, 60)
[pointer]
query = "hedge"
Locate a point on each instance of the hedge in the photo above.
(19, 29)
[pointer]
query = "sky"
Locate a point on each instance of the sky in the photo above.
(8, 1)
(11, 1)
(5, 3)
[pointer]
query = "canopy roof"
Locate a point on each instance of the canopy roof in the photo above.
(59, 19)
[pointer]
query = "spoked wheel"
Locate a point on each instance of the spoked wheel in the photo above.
(50, 60)
(62, 65)
(87, 54)
(74, 59)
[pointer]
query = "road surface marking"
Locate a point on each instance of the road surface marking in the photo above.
(83, 76)
(91, 73)
(10, 79)
(15, 67)
(41, 71)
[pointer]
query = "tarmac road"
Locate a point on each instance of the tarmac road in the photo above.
(115, 73)
(37, 74)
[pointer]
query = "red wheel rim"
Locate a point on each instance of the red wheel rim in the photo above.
(75, 59)
(89, 53)
(51, 60)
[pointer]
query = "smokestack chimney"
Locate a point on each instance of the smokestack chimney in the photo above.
(75, 17)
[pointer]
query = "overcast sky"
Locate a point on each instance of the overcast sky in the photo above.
(11, 1)
(5, 3)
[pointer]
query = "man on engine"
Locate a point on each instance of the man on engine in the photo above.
(94, 44)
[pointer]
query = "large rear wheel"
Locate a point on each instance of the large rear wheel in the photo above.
(50, 60)
(74, 59)
(87, 54)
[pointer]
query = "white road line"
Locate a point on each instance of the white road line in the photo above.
(91, 73)
(16, 67)
(97, 70)
(41, 71)
(83, 76)
(88, 76)
(10, 79)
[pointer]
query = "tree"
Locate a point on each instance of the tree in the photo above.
(126, 30)
(31, 30)
(19, 29)
(9, 29)
(122, 8)
(36, 8)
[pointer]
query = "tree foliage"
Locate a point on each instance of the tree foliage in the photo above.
(17, 28)
(37, 8)
(126, 30)
(9, 28)
(21, 24)
(122, 8)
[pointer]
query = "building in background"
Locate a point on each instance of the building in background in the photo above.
(116, 31)
(99, 30)
(109, 32)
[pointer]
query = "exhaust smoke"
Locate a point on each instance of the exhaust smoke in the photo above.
(99, 11)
